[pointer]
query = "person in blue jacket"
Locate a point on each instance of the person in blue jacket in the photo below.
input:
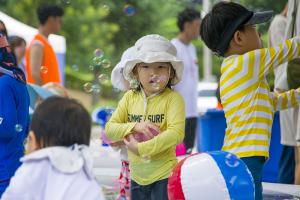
(14, 114)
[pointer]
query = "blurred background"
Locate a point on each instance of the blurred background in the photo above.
(111, 26)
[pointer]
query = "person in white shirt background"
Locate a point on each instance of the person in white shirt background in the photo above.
(188, 22)
(276, 33)
(289, 119)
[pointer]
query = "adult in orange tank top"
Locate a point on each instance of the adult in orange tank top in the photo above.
(41, 62)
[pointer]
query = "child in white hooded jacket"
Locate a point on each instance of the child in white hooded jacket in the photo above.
(58, 165)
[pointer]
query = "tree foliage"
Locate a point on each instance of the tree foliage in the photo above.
(91, 24)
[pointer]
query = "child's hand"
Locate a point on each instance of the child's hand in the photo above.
(116, 144)
(147, 128)
(131, 144)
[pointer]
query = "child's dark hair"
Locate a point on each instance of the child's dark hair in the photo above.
(15, 41)
(59, 121)
(187, 15)
(4, 30)
(215, 22)
(46, 11)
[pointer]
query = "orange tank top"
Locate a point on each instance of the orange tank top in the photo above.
(50, 73)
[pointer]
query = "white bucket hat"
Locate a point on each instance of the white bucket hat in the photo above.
(150, 49)
(117, 78)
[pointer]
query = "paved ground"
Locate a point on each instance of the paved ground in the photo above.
(107, 168)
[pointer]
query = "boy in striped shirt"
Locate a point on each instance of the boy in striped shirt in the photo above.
(229, 31)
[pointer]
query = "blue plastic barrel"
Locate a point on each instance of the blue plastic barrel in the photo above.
(211, 131)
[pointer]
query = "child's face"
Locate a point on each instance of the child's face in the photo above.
(193, 29)
(253, 40)
(154, 77)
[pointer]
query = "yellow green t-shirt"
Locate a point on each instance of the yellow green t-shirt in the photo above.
(165, 110)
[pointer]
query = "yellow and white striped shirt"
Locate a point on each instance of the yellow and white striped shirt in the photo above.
(248, 103)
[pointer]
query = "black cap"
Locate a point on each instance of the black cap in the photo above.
(248, 18)
(260, 17)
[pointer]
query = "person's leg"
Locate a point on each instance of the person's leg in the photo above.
(159, 190)
(139, 192)
(190, 132)
(255, 165)
(297, 166)
(124, 181)
(286, 172)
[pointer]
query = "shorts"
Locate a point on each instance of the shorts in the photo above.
(290, 127)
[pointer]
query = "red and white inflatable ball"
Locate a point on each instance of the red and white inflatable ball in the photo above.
(211, 176)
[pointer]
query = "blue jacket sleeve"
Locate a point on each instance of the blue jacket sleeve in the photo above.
(8, 112)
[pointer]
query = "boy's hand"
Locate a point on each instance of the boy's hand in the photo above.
(147, 128)
(131, 144)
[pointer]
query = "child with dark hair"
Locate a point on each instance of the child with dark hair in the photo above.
(230, 31)
(44, 12)
(14, 114)
(58, 165)
(18, 47)
(3, 29)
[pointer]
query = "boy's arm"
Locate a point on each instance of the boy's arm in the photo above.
(269, 58)
(8, 113)
(174, 133)
(117, 128)
(36, 59)
(286, 100)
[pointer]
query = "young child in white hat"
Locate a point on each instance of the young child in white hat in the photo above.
(150, 108)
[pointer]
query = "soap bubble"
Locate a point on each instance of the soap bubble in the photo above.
(103, 79)
(96, 88)
(66, 2)
(98, 53)
(105, 63)
(75, 68)
(129, 10)
(88, 87)
(18, 128)
(44, 69)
